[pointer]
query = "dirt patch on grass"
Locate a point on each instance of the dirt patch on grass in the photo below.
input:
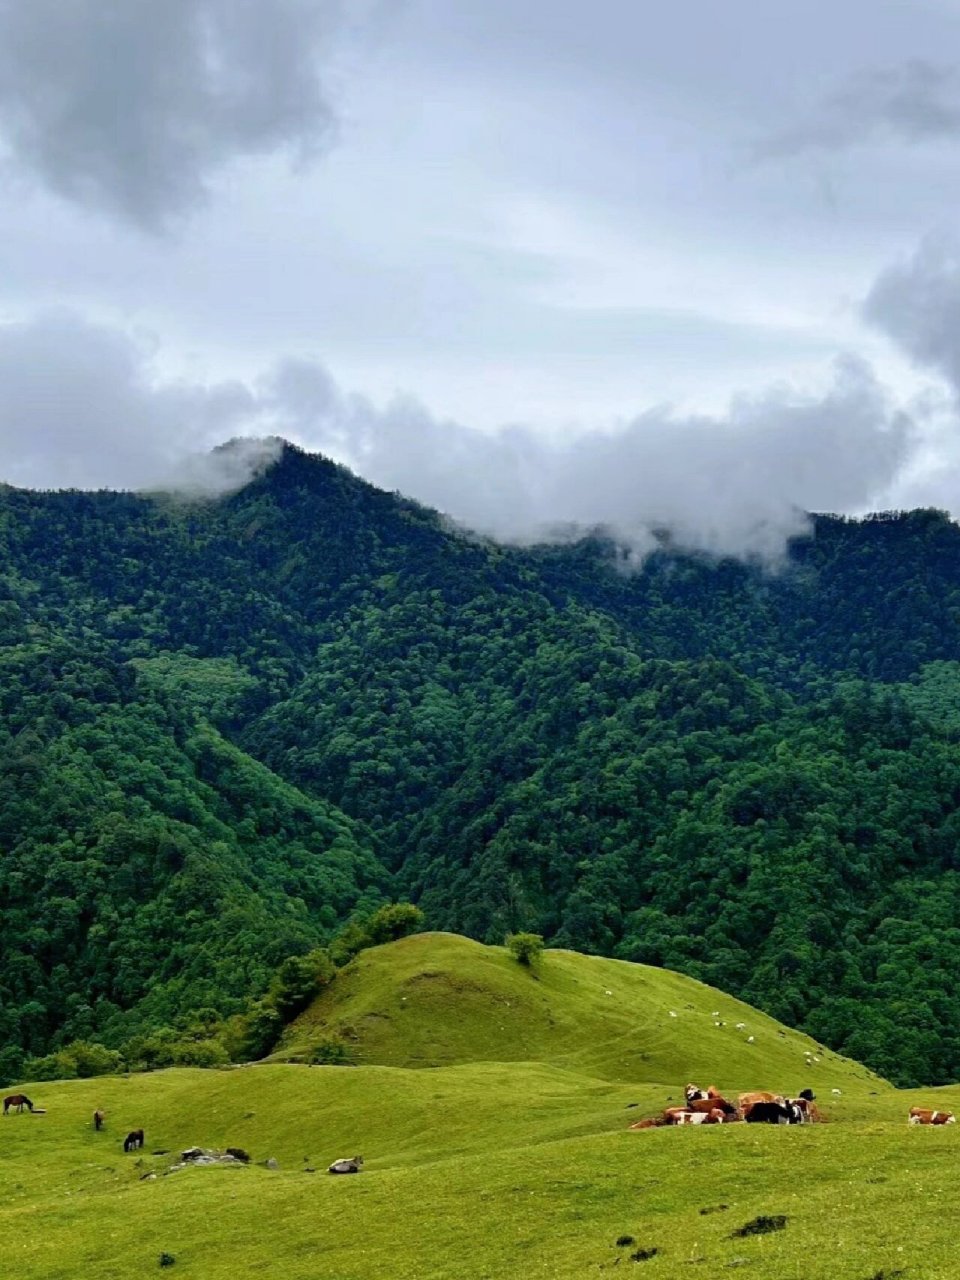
(761, 1225)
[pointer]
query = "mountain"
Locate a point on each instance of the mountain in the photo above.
(512, 1158)
(228, 725)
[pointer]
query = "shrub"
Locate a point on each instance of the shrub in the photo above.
(350, 941)
(298, 980)
(148, 1052)
(387, 924)
(330, 1051)
(253, 1034)
(397, 920)
(525, 947)
(199, 1053)
(80, 1058)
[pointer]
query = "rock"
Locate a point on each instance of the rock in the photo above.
(194, 1156)
(148, 1177)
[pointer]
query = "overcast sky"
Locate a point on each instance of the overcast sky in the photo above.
(529, 261)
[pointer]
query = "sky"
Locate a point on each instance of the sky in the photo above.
(532, 263)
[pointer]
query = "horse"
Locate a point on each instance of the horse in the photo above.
(98, 1119)
(133, 1140)
(18, 1100)
(353, 1165)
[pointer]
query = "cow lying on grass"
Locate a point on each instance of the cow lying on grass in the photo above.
(685, 1115)
(784, 1112)
(688, 1115)
(924, 1115)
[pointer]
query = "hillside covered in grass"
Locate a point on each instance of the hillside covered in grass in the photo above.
(227, 726)
(435, 1000)
(490, 1148)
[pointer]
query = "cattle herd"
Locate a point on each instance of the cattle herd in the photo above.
(709, 1106)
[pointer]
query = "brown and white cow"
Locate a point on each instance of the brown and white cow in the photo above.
(693, 1093)
(809, 1111)
(686, 1115)
(925, 1115)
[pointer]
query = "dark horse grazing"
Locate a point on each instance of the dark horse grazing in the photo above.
(98, 1119)
(133, 1140)
(18, 1100)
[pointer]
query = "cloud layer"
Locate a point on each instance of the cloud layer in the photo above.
(83, 407)
(738, 485)
(132, 106)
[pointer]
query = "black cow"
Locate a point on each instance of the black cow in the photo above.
(774, 1113)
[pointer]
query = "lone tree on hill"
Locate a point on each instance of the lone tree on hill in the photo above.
(525, 947)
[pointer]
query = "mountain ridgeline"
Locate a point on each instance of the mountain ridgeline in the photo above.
(227, 726)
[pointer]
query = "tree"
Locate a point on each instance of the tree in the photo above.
(397, 920)
(526, 948)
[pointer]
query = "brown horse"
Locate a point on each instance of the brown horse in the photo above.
(18, 1100)
(98, 1119)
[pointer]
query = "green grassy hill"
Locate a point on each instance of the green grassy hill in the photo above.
(486, 1166)
(438, 999)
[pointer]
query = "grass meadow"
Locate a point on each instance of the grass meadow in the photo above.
(496, 1144)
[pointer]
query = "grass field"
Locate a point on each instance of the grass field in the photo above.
(512, 1158)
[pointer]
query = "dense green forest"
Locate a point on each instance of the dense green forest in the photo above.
(229, 726)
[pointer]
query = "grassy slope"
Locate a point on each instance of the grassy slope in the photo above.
(483, 1168)
(438, 999)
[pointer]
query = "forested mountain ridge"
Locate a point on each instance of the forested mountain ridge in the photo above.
(225, 725)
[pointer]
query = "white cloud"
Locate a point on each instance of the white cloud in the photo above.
(83, 406)
(738, 484)
(133, 105)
